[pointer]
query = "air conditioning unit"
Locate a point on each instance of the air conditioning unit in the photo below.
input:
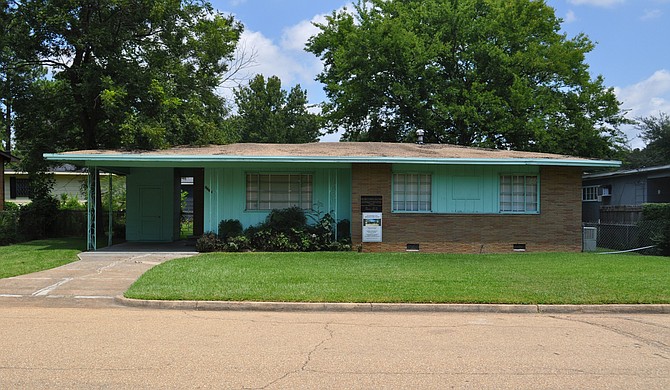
(589, 239)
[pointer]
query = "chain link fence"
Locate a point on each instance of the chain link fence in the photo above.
(625, 236)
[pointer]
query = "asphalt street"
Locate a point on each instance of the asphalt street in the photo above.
(122, 348)
(64, 329)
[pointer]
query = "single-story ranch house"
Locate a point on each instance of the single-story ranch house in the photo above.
(426, 197)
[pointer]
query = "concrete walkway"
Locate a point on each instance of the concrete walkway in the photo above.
(95, 280)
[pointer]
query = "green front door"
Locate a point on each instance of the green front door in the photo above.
(151, 210)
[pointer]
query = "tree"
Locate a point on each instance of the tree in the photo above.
(469, 72)
(15, 75)
(138, 74)
(655, 131)
(268, 114)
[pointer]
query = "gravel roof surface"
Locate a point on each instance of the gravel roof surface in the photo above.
(338, 149)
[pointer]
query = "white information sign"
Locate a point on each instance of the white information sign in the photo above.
(372, 227)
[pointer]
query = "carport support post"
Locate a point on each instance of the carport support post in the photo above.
(92, 202)
(109, 231)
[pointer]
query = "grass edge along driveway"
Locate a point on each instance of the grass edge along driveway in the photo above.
(38, 255)
(529, 278)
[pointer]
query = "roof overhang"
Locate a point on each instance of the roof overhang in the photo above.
(651, 172)
(142, 160)
(322, 153)
(7, 157)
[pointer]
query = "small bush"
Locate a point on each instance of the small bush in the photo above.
(209, 242)
(230, 228)
(284, 220)
(282, 231)
(9, 227)
(37, 218)
(344, 230)
(68, 202)
(659, 212)
(238, 244)
(11, 206)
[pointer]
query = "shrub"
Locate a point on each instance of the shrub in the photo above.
(209, 242)
(660, 213)
(283, 230)
(283, 220)
(68, 202)
(37, 218)
(9, 227)
(230, 228)
(239, 243)
(11, 206)
(344, 230)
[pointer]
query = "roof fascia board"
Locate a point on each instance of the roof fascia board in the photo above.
(91, 159)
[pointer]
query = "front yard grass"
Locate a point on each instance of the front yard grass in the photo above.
(544, 278)
(33, 256)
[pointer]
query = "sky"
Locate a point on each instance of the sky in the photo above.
(632, 49)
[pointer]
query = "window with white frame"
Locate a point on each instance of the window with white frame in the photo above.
(412, 192)
(519, 194)
(590, 193)
(278, 191)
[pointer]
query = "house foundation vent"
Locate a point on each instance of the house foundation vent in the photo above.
(519, 247)
(412, 248)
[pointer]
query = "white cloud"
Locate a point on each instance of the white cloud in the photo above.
(597, 3)
(651, 14)
(296, 36)
(648, 97)
(570, 17)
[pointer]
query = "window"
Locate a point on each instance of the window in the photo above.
(518, 194)
(278, 191)
(590, 194)
(411, 192)
(19, 188)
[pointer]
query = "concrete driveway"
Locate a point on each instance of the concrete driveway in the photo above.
(95, 279)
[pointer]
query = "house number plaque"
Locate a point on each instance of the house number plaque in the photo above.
(371, 204)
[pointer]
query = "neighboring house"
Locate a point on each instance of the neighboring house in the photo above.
(632, 187)
(435, 198)
(4, 158)
(67, 180)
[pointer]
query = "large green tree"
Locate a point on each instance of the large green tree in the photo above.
(489, 73)
(655, 131)
(130, 73)
(269, 114)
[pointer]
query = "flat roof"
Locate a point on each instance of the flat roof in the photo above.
(658, 171)
(325, 152)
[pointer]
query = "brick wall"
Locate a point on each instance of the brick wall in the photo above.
(556, 228)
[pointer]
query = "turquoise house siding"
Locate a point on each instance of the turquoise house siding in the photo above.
(466, 189)
(225, 191)
(150, 204)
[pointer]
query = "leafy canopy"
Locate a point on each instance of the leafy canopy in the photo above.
(469, 72)
(129, 73)
(655, 131)
(269, 114)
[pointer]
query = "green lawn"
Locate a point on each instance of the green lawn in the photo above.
(549, 278)
(33, 256)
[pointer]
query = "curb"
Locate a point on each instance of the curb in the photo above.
(392, 307)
